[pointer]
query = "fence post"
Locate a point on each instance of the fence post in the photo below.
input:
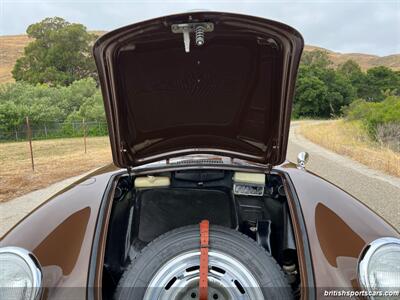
(45, 130)
(16, 134)
(29, 136)
(84, 133)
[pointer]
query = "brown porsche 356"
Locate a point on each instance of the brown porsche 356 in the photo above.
(198, 108)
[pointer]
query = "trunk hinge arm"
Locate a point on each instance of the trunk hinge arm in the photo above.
(129, 170)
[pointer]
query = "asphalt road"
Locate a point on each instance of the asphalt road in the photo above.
(377, 190)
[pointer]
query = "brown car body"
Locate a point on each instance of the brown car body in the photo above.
(68, 232)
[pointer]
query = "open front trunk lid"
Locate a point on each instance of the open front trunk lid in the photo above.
(230, 96)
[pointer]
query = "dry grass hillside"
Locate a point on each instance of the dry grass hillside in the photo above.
(12, 47)
(365, 61)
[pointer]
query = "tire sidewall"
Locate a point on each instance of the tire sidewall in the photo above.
(264, 268)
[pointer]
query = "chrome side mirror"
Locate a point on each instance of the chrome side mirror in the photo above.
(302, 159)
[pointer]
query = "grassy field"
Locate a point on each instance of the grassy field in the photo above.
(55, 160)
(12, 47)
(59, 159)
(350, 139)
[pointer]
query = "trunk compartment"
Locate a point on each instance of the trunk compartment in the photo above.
(139, 215)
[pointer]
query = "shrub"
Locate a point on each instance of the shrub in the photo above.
(47, 106)
(381, 119)
(389, 135)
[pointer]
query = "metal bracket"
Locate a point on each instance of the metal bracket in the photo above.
(263, 234)
(198, 28)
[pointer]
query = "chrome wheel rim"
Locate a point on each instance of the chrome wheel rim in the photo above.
(228, 279)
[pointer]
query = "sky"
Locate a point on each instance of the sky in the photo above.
(350, 26)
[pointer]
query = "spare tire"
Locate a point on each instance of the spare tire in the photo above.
(168, 268)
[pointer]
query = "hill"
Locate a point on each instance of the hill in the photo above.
(12, 47)
(365, 61)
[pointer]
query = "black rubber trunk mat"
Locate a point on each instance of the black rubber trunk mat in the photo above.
(164, 209)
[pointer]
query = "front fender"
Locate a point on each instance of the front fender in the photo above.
(338, 227)
(60, 234)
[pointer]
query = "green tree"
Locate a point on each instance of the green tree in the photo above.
(310, 94)
(352, 71)
(321, 91)
(378, 83)
(340, 93)
(60, 53)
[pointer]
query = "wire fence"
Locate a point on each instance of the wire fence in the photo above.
(50, 130)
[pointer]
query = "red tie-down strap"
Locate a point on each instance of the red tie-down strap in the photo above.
(204, 244)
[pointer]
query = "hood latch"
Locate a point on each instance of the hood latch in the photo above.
(199, 30)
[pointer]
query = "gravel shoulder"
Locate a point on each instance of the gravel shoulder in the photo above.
(379, 191)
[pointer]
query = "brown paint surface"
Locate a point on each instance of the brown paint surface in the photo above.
(66, 240)
(338, 227)
(60, 233)
(335, 236)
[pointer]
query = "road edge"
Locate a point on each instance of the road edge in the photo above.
(343, 160)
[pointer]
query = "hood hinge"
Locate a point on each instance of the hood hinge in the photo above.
(130, 170)
(268, 168)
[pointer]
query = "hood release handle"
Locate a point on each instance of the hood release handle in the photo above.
(199, 30)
